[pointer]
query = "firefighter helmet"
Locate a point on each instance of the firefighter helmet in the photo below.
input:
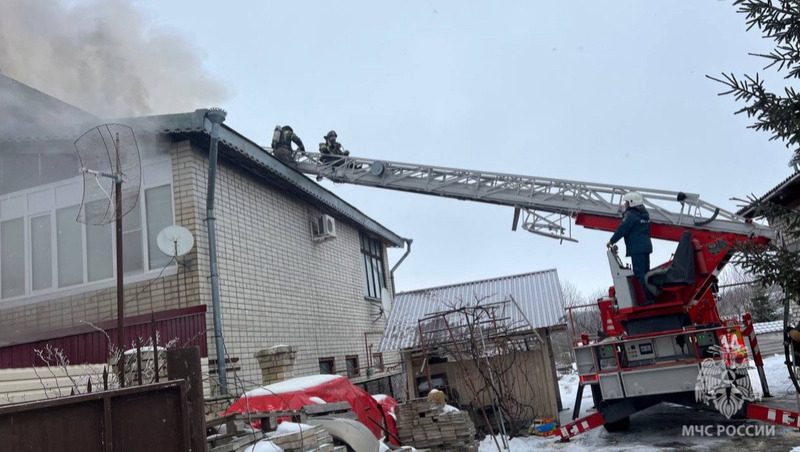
(633, 198)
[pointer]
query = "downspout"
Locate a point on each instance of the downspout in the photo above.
(216, 116)
(402, 258)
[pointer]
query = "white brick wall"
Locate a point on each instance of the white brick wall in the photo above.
(277, 286)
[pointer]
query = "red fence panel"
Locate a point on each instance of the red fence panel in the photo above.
(86, 345)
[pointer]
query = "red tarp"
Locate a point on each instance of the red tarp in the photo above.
(295, 393)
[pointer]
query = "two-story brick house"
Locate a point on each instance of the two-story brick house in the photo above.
(278, 285)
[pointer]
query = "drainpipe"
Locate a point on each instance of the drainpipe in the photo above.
(216, 116)
(402, 258)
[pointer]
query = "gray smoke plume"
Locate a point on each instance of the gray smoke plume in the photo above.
(102, 56)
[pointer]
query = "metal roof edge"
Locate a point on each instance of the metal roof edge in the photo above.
(477, 281)
(748, 210)
(196, 122)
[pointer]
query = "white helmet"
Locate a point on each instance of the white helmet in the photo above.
(633, 198)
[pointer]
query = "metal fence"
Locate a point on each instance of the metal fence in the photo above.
(142, 418)
(154, 417)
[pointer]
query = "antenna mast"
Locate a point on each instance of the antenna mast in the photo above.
(111, 168)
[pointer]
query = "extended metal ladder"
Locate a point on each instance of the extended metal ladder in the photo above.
(547, 204)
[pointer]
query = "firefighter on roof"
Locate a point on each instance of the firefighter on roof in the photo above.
(282, 139)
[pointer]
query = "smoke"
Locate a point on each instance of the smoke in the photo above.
(103, 56)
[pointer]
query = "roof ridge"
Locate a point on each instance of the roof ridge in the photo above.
(478, 281)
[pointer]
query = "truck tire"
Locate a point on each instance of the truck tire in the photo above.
(618, 426)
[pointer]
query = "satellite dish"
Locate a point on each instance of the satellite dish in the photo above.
(386, 301)
(175, 241)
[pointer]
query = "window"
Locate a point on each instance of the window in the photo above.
(44, 247)
(69, 247)
(372, 253)
(99, 243)
(327, 366)
(20, 171)
(12, 239)
(158, 201)
(132, 261)
(439, 381)
(352, 365)
(377, 361)
(41, 253)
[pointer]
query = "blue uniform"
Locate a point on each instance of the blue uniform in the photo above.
(635, 229)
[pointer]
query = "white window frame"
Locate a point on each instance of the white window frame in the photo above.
(68, 193)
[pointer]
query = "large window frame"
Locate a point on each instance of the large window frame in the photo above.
(373, 264)
(47, 201)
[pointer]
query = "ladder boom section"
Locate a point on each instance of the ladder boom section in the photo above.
(547, 204)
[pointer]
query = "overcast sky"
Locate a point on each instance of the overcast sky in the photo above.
(611, 92)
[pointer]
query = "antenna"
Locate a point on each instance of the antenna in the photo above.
(175, 241)
(112, 178)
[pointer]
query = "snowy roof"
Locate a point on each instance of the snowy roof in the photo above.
(538, 297)
(292, 385)
(786, 190)
(768, 327)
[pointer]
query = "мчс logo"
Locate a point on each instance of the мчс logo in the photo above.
(724, 382)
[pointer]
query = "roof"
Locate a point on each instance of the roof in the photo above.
(253, 158)
(768, 327)
(26, 110)
(537, 294)
(786, 190)
(36, 116)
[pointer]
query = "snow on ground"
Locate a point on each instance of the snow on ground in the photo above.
(661, 427)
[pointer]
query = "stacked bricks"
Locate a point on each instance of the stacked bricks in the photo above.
(215, 407)
(276, 363)
(311, 439)
(424, 425)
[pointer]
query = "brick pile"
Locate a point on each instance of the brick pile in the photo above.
(276, 363)
(424, 425)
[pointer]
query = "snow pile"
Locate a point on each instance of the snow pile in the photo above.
(145, 349)
(318, 400)
(263, 446)
(777, 376)
(291, 427)
(293, 385)
(450, 409)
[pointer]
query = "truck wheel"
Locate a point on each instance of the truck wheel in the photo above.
(618, 426)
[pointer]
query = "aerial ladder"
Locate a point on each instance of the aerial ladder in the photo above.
(644, 354)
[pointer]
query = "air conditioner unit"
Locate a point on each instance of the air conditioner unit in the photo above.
(323, 227)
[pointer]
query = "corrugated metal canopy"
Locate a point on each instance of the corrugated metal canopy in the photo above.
(768, 327)
(538, 295)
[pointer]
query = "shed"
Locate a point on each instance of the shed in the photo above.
(459, 338)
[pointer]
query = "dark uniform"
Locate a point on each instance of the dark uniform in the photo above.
(331, 149)
(282, 141)
(635, 229)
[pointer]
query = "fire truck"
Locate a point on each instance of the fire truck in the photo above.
(677, 349)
